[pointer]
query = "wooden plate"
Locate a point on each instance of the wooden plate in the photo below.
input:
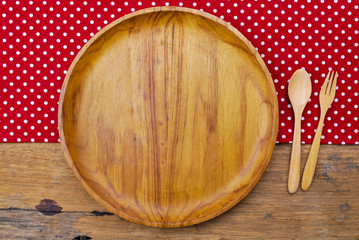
(168, 117)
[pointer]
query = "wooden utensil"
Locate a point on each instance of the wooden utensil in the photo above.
(168, 116)
(299, 91)
(326, 97)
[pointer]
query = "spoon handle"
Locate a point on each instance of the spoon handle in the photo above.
(294, 169)
(313, 156)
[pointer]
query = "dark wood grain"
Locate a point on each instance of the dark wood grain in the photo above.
(30, 173)
(168, 116)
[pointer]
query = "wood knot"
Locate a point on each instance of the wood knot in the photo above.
(345, 207)
(48, 207)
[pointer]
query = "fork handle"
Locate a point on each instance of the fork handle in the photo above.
(313, 156)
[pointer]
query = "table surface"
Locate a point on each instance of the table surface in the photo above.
(41, 199)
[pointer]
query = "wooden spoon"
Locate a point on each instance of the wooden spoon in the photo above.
(299, 91)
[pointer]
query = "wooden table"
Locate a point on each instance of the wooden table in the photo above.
(41, 199)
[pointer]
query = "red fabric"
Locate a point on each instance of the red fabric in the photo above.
(39, 39)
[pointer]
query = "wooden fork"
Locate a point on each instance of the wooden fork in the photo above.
(326, 98)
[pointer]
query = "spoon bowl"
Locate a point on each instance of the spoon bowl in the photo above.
(299, 88)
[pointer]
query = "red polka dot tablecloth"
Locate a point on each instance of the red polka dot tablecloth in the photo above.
(39, 40)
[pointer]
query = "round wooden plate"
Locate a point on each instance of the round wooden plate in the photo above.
(168, 116)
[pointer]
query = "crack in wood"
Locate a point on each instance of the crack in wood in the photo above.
(101, 213)
(34, 210)
(83, 237)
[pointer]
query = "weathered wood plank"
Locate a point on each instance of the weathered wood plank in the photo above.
(30, 173)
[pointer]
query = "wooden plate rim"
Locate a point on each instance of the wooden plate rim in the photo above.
(254, 180)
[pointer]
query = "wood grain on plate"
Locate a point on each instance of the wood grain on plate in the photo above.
(168, 117)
